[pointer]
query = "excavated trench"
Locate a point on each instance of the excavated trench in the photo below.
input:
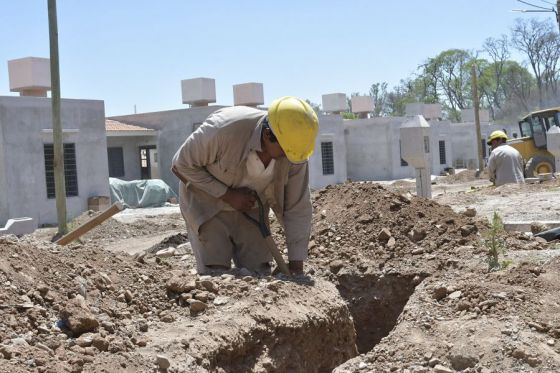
(375, 302)
(369, 309)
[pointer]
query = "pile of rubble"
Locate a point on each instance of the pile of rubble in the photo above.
(399, 279)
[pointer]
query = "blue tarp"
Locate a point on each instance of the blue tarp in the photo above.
(140, 193)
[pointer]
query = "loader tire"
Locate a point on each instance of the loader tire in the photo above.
(539, 164)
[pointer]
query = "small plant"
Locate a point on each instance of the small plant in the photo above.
(495, 244)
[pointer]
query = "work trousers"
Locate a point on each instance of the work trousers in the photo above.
(228, 236)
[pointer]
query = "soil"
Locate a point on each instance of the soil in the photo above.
(394, 283)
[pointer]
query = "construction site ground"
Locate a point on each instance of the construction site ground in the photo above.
(394, 283)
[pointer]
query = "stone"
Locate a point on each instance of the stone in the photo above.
(128, 296)
(335, 266)
(519, 354)
(208, 285)
(533, 361)
(468, 229)
(100, 343)
(163, 362)
(470, 212)
(143, 326)
(166, 253)
(180, 284)
(439, 292)
(461, 361)
(77, 318)
(384, 235)
(197, 306)
(85, 340)
(463, 305)
(538, 227)
(201, 296)
(442, 369)
(416, 235)
(220, 301)
(365, 219)
(455, 295)
(433, 362)
(6, 352)
(391, 242)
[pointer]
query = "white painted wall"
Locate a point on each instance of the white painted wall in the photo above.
(26, 124)
(331, 129)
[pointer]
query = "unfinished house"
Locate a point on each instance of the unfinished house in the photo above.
(26, 147)
(131, 151)
(148, 141)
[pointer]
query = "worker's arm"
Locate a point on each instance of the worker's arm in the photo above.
(199, 150)
(297, 215)
(189, 164)
(492, 167)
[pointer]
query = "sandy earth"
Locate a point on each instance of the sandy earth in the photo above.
(394, 283)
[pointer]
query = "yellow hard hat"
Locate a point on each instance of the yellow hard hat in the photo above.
(295, 125)
(497, 135)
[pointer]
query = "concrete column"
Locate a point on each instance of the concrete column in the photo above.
(423, 183)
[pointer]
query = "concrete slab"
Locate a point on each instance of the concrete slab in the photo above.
(525, 226)
(19, 226)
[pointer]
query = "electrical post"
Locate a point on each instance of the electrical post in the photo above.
(58, 160)
(477, 118)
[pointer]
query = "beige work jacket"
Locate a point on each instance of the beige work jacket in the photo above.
(213, 159)
(505, 166)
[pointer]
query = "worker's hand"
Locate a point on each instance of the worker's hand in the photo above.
(296, 267)
(241, 199)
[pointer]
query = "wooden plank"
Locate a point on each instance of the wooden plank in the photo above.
(90, 224)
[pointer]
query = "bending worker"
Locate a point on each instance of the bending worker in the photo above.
(505, 164)
(237, 152)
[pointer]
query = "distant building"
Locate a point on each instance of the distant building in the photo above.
(26, 148)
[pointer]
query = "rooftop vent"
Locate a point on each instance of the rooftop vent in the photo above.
(334, 102)
(428, 111)
(362, 105)
(248, 94)
(198, 91)
(30, 76)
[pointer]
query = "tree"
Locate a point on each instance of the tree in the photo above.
(448, 76)
(314, 106)
(379, 93)
(491, 74)
(541, 45)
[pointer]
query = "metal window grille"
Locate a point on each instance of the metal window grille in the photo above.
(70, 170)
(442, 159)
(403, 162)
(327, 158)
(116, 161)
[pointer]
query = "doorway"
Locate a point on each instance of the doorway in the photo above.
(149, 162)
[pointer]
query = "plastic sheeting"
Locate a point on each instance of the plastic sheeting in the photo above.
(140, 193)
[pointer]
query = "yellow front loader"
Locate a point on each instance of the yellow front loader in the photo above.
(532, 143)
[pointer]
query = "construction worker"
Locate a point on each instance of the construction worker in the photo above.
(237, 153)
(505, 164)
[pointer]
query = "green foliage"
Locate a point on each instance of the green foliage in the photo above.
(496, 246)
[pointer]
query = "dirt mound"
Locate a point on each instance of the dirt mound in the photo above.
(401, 279)
(461, 177)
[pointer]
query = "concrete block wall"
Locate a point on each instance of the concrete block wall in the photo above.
(26, 125)
(373, 149)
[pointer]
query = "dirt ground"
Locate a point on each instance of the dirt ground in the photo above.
(394, 283)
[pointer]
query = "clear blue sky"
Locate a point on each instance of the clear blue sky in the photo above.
(129, 52)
